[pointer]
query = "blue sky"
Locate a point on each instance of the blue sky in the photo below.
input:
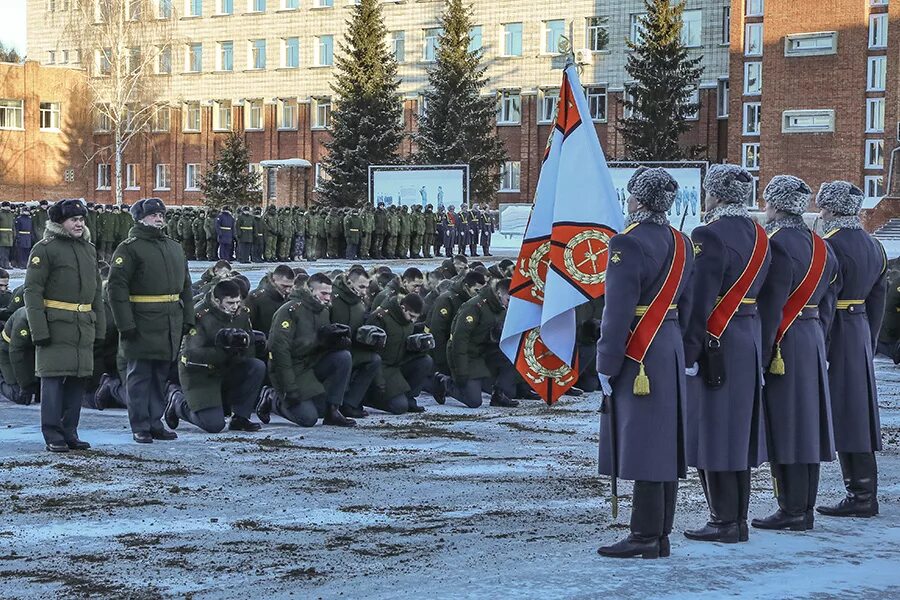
(12, 25)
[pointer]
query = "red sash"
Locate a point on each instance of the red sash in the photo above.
(726, 307)
(800, 296)
(640, 339)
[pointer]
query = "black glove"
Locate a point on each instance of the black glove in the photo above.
(371, 336)
(186, 329)
(41, 342)
(232, 340)
(129, 334)
(496, 331)
(335, 336)
(590, 330)
(259, 341)
(419, 327)
(420, 342)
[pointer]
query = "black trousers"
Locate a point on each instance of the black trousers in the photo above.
(60, 408)
(333, 370)
(416, 372)
(797, 487)
(240, 391)
(469, 392)
(727, 495)
(4, 257)
(653, 508)
(588, 379)
(361, 379)
(243, 251)
(145, 390)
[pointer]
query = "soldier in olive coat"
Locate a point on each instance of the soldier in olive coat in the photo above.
(20, 385)
(285, 234)
(404, 232)
(265, 301)
(440, 319)
(299, 219)
(417, 231)
(150, 296)
(243, 229)
(217, 367)
(65, 314)
(430, 229)
(270, 222)
(379, 231)
(368, 227)
(7, 224)
(352, 228)
(199, 236)
(211, 230)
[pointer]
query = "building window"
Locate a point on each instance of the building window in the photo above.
(164, 9)
(257, 6)
(103, 177)
(50, 116)
(636, 30)
(692, 28)
(131, 177)
(432, 37)
(222, 115)
(874, 187)
(476, 43)
(134, 10)
(754, 8)
(130, 117)
(291, 58)
(628, 96)
(597, 34)
(722, 94)
(596, 97)
(51, 57)
(290, 4)
(549, 101)
(753, 200)
(807, 121)
(398, 45)
(509, 111)
(287, 114)
(191, 117)
(163, 178)
(751, 118)
(257, 54)
(875, 115)
(874, 154)
(810, 44)
(324, 3)
(76, 57)
(226, 56)
(752, 78)
(102, 121)
(876, 75)
(750, 156)
(726, 25)
(255, 120)
(11, 114)
(191, 177)
(161, 119)
(553, 32)
(509, 176)
(325, 50)
(194, 8)
(102, 61)
(693, 102)
(878, 2)
(164, 60)
(322, 113)
(423, 105)
(226, 7)
(753, 40)
(195, 58)
(878, 30)
(512, 39)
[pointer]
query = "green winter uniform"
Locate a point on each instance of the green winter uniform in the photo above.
(294, 349)
(348, 309)
(263, 303)
(270, 222)
(353, 225)
(471, 353)
(368, 227)
(211, 232)
(17, 352)
(299, 219)
(199, 237)
(394, 354)
(440, 319)
(333, 226)
(429, 232)
(405, 232)
(186, 233)
(379, 232)
(392, 231)
(123, 225)
(39, 222)
(64, 305)
(417, 231)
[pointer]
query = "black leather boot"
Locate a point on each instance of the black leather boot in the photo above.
(743, 478)
(861, 481)
(647, 516)
(670, 491)
(722, 497)
(790, 481)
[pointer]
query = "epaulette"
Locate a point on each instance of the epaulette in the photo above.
(129, 240)
(629, 228)
(772, 234)
(245, 310)
(202, 312)
(44, 241)
(831, 233)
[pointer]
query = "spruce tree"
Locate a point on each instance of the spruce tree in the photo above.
(664, 78)
(366, 122)
(459, 124)
(228, 179)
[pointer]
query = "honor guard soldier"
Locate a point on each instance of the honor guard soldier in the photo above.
(851, 344)
(66, 315)
(487, 229)
(225, 234)
(640, 361)
(150, 296)
(725, 432)
(450, 223)
(796, 303)
(217, 367)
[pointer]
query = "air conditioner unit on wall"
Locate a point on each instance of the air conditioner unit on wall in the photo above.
(584, 57)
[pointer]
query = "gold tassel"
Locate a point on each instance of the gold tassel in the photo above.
(641, 383)
(777, 366)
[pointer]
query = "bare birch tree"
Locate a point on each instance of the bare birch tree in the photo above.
(127, 48)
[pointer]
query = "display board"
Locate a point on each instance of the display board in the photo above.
(438, 185)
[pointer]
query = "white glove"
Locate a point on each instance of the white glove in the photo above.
(692, 370)
(605, 385)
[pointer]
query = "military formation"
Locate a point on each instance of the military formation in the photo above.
(736, 346)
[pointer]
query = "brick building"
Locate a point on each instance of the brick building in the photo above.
(264, 67)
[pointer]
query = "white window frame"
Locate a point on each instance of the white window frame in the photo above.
(290, 103)
(221, 55)
(191, 56)
(750, 165)
(163, 181)
(594, 25)
(872, 184)
(286, 53)
(686, 29)
(754, 8)
(753, 39)
(508, 39)
(726, 25)
(193, 8)
(748, 91)
(432, 37)
(549, 99)
(878, 31)
(476, 38)
(224, 9)
(825, 43)
(509, 109)
(164, 60)
(824, 117)
(254, 115)
(510, 176)
(723, 97)
(878, 2)
(102, 122)
(163, 9)
(256, 54)
(192, 177)
(53, 112)
(324, 4)
(324, 59)
(290, 4)
(552, 36)
(874, 156)
(13, 112)
(597, 97)
(398, 46)
(876, 74)
(157, 121)
(875, 115)
(104, 176)
(636, 28)
(321, 113)
(320, 176)
(132, 171)
(222, 108)
(750, 120)
(190, 109)
(256, 6)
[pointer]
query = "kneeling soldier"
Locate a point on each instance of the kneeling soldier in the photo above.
(17, 361)
(309, 359)
(217, 367)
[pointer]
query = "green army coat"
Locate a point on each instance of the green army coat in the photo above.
(172, 224)
(7, 224)
(352, 228)
(197, 229)
(244, 228)
(15, 302)
(380, 221)
(349, 309)
(470, 339)
(299, 220)
(185, 228)
(63, 303)
(17, 351)
(394, 354)
(150, 292)
(210, 229)
(123, 225)
(263, 303)
(440, 319)
(39, 222)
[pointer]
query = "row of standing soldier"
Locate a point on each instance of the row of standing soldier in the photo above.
(736, 347)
